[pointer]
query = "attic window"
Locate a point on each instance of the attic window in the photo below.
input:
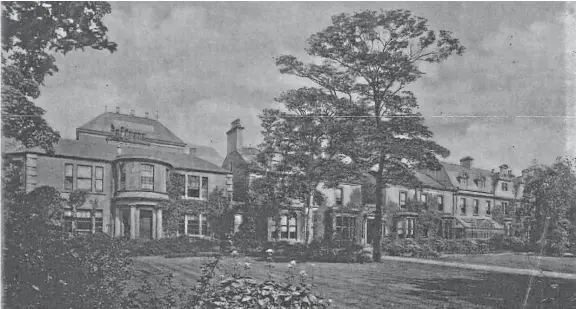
(126, 134)
(480, 181)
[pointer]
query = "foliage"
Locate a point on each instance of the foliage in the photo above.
(369, 58)
(46, 269)
(217, 208)
(549, 201)
(30, 32)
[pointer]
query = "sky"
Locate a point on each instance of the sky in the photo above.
(203, 64)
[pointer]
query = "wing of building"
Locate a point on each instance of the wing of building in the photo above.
(123, 162)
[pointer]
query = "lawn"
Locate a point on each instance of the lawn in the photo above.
(546, 263)
(390, 284)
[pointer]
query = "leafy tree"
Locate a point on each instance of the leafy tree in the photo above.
(31, 32)
(549, 201)
(370, 58)
(217, 208)
(304, 142)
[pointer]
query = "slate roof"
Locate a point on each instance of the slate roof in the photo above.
(207, 153)
(153, 129)
(108, 152)
(455, 170)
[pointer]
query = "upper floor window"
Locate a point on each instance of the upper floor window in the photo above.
(147, 177)
(196, 186)
(504, 186)
(99, 179)
(476, 207)
(462, 206)
(488, 208)
(423, 198)
(68, 177)
(440, 203)
(84, 177)
(122, 185)
(403, 197)
(505, 207)
(339, 196)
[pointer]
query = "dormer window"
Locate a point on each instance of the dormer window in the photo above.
(480, 182)
(463, 179)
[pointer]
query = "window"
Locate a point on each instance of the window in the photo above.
(505, 207)
(122, 185)
(197, 225)
(231, 166)
(182, 226)
(288, 227)
(204, 187)
(68, 177)
(83, 220)
(504, 186)
(488, 208)
(463, 181)
(99, 179)
(346, 227)
(424, 198)
(476, 207)
(405, 227)
(440, 203)
(147, 177)
(84, 177)
(339, 196)
(403, 196)
(462, 206)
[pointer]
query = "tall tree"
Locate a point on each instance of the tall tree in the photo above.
(370, 58)
(307, 139)
(549, 202)
(31, 32)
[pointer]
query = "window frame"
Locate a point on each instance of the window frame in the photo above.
(440, 201)
(339, 198)
(96, 179)
(463, 206)
(143, 170)
(275, 234)
(99, 220)
(84, 178)
(401, 203)
(202, 225)
(345, 231)
(476, 207)
(488, 208)
(203, 190)
(69, 178)
(504, 186)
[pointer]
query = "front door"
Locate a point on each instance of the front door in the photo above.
(145, 224)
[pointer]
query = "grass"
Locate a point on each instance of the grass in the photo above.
(555, 264)
(391, 284)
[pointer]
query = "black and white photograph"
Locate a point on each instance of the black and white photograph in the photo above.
(288, 155)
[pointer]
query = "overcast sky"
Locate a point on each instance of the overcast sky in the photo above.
(201, 65)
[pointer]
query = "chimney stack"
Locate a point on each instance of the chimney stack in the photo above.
(503, 169)
(234, 136)
(524, 173)
(146, 114)
(131, 112)
(117, 110)
(466, 162)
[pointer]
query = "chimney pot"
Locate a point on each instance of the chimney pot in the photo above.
(503, 169)
(117, 110)
(466, 162)
(234, 136)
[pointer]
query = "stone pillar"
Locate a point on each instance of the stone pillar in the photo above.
(154, 229)
(159, 223)
(132, 222)
(117, 222)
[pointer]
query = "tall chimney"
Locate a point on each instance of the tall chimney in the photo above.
(466, 162)
(117, 110)
(503, 169)
(234, 136)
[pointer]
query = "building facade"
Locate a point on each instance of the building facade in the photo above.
(123, 163)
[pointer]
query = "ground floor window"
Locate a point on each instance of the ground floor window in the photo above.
(346, 227)
(446, 229)
(405, 227)
(288, 227)
(83, 220)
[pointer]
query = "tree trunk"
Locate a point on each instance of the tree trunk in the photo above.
(378, 217)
